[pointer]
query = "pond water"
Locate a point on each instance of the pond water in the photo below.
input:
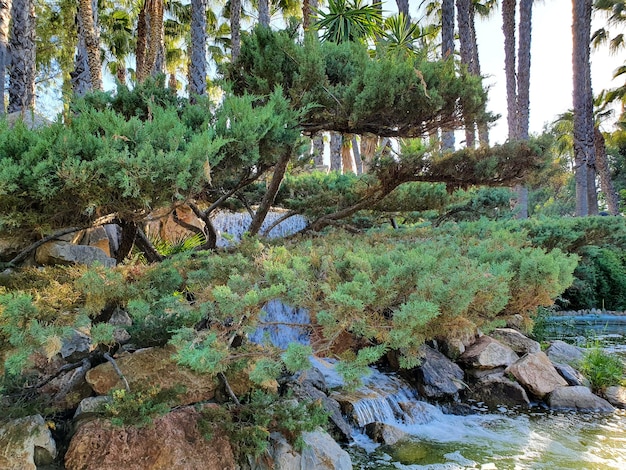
(509, 439)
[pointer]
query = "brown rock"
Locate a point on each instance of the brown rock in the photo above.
(162, 224)
(153, 367)
(537, 374)
(487, 353)
(173, 443)
(516, 341)
(497, 390)
(616, 396)
(385, 433)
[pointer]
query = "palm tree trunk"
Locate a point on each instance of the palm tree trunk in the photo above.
(602, 165)
(368, 149)
(583, 101)
(23, 54)
(318, 149)
(508, 28)
(88, 30)
(447, 51)
(198, 60)
(403, 7)
(483, 128)
(465, 40)
(357, 155)
(235, 28)
(150, 40)
(335, 151)
(5, 17)
(264, 13)
(347, 162)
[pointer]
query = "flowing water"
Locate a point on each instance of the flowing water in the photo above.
(232, 225)
(535, 439)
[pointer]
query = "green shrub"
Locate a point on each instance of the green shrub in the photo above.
(602, 369)
(140, 408)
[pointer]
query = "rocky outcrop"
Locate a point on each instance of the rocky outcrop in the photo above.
(571, 375)
(616, 396)
(537, 374)
(26, 443)
(516, 341)
(153, 367)
(66, 253)
(487, 353)
(497, 390)
(320, 453)
(562, 352)
(437, 376)
(174, 442)
(578, 399)
(385, 433)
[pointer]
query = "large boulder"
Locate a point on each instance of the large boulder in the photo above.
(320, 452)
(537, 374)
(578, 399)
(175, 442)
(616, 396)
(571, 375)
(26, 443)
(437, 376)
(497, 390)
(516, 341)
(487, 353)
(564, 353)
(153, 367)
(66, 253)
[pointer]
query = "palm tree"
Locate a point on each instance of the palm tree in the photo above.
(235, 28)
(89, 39)
(197, 60)
(264, 13)
(23, 55)
(447, 51)
(5, 17)
(349, 20)
(118, 39)
(583, 101)
(150, 47)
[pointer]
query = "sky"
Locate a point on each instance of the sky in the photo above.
(551, 65)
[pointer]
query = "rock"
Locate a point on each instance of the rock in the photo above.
(153, 366)
(307, 391)
(616, 396)
(76, 347)
(437, 376)
(571, 375)
(175, 442)
(161, 223)
(26, 443)
(385, 433)
(96, 237)
(578, 399)
(322, 452)
(497, 390)
(537, 374)
(561, 352)
(477, 374)
(517, 322)
(61, 252)
(91, 406)
(487, 353)
(69, 388)
(516, 341)
(120, 317)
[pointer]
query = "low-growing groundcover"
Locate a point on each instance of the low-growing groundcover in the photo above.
(388, 290)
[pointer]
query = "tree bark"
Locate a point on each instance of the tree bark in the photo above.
(357, 155)
(602, 166)
(235, 28)
(5, 18)
(264, 13)
(465, 41)
(318, 149)
(583, 101)
(347, 161)
(335, 151)
(23, 54)
(508, 28)
(368, 149)
(90, 37)
(403, 7)
(198, 60)
(447, 52)
(150, 40)
(270, 193)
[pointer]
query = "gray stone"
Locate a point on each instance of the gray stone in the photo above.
(437, 376)
(616, 396)
(385, 433)
(578, 399)
(26, 443)
(487, 353)
(120, 317)
(571, 375)
(516, 341)
(76, 347)
(91, 406)
(562, 352)
(497, 390)
(322, 452)
(306, 390)
(537, 374)
(60, 252)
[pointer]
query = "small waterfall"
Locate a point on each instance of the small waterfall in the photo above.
(279, 324)
(232, 225)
